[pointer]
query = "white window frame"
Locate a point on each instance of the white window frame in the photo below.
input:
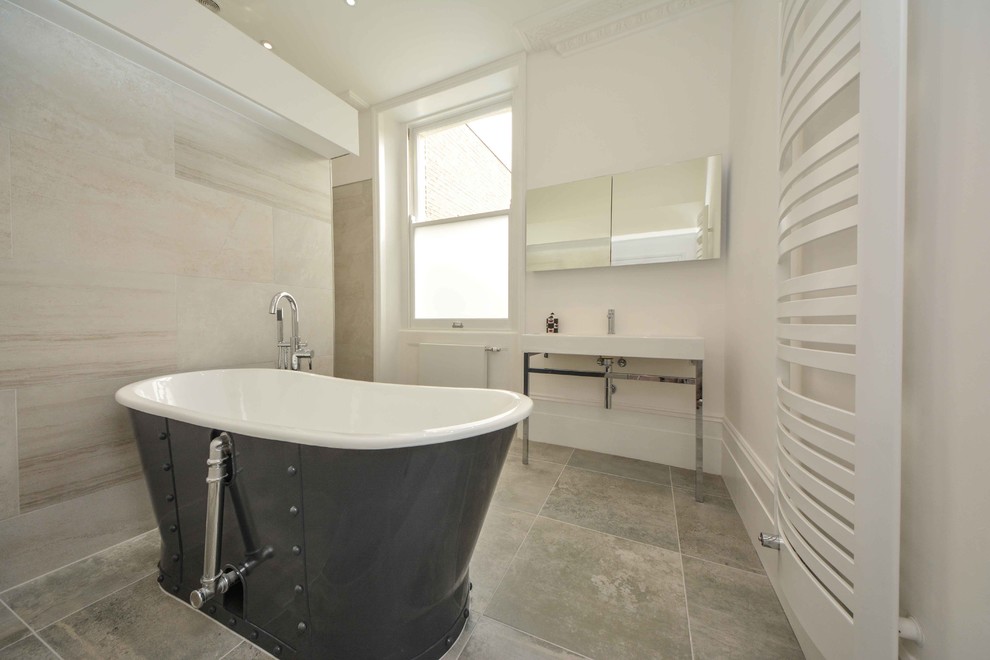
(457, 115)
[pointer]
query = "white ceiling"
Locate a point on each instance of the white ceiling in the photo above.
(380, 49)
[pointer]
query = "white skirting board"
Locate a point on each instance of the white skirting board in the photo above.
(658, 437)
(751, 485)
(453, 365)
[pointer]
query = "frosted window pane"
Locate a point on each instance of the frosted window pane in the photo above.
(465, 169)
(462, 270)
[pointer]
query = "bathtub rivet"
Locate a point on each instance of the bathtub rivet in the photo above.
(161, 578)
(231, 622)
(293, 510)
(163, 436)
(301, 627)
(170, 497)
(299, 589)
(467, 612)
(167, 467)
(213, 609)
(292, 471)
(296, 550)
(254, 634)
(172, 528)
(277, 650)
(449, 641)
(175, 557)
(175, 589)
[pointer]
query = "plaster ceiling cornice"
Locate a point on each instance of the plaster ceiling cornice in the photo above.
(582, 24)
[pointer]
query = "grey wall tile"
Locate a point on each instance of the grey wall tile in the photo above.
(73, 439)
(47, 599)
(67, 324)
(56, 84)
(9, 501)
(73, 207)
(354, 280)
(303, 250)
(40, 541)
(222, 323)
(5, 228)
(219, 148)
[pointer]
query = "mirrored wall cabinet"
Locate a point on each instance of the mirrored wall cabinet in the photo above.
(659, 214)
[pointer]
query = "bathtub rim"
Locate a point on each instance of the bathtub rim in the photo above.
(522, 407)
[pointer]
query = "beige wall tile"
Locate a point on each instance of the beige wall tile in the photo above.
(219, 148)
(353, 281)
(303, 250)
(73, 439)
(60, 324)
(5, 243)
(9, 505)
(222, 323)
(58, 85)
(73, 207)
(42, 540)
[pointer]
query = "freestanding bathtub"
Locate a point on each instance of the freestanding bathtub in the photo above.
(352, 508)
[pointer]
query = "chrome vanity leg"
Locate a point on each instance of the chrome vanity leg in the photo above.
(525, 424)
(699, 432)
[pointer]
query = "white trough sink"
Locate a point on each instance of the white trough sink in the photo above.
(669, 348)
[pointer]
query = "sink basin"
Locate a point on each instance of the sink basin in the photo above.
(629, 346)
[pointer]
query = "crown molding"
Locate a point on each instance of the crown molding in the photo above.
(582, 24)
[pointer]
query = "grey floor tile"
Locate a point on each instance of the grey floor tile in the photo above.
(525, 487)
(735, 614)
(503, 533)
(631, 509)
(540, 451)
(495, 641)
(596, 594)
(139, 621)
(713, 484)
(454, 652)
(247, 651)
(11, 628)
(49, 598)
(621, 466)
(29, 648)
(714, 531)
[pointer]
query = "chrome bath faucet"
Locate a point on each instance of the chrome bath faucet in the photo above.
(293, 349)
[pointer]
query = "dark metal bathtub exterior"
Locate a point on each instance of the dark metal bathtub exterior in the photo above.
(370, 548)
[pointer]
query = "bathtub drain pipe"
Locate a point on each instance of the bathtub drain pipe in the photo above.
(214, 580)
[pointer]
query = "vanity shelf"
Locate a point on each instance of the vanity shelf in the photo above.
(610, 349)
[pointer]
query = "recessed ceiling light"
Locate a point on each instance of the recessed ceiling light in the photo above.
(267, 44)
(351, 3)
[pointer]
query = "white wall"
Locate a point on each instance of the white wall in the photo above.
(655, 97)
(352, 168)
(751, 254)
(945, 579)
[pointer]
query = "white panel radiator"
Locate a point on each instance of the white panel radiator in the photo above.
(453, 365)
(840, 247)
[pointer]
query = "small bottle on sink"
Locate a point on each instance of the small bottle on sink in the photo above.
(553, 324)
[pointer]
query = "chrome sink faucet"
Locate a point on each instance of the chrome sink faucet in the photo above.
(293, 349)
(611, 321)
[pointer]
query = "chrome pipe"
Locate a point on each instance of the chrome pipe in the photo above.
(214, 580)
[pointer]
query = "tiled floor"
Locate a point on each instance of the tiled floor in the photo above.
(583, 555)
